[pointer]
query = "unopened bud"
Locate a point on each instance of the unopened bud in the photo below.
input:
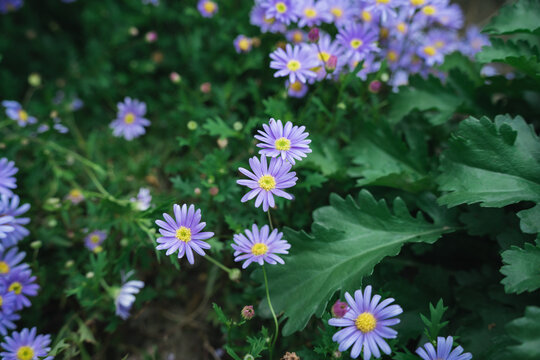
(90, 275)
(151, 36)
(133, 31)
(69, 264)
(237, 126)
(175, 77)
(206, 87)
(375, 86)
(235, 274)
(214, 190)
(192, 125)
(313, 35)
(34, 79)
(331, 64)
(36, 244)
(247, 312)
(339, 309)
(222, 143)
(197, 191)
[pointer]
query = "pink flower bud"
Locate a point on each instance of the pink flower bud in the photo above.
(331, 63)
(175, 77)
(151, 36)
(206, 87)
(375, 86)
(313, 35)
(214, 190)
(247, 312)
(339, 309)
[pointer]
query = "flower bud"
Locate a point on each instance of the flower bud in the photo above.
(90, 275)
(175, 77)
(206, 87)
(331, 64)
(339, 309)
(151, 36)
(36, 244)
(133, 31)
(197, 191)
(192, 125)
(222, 143)
(235, 274)
(375, 86)
(34, 79)
(247, 312)
(313, 35)
(214, 190)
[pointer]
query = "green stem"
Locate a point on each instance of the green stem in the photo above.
(272, 311)
(218, 264)
(270, 219)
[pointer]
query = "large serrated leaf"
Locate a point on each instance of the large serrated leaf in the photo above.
(522, 16)
(526, 331)
(522, 269)
(348, 239)
(491, 163)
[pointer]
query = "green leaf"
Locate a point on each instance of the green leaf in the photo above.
(526, 331)
(384, 159)
(522, 16)
(522, 269)
(218, 127)
(231, 352)
(348, 239)
(326, 156)
(258, 345)
(221, 315)
(491, 163)
(519, 54)
(424, 95)
(434, 324)
(530, 220)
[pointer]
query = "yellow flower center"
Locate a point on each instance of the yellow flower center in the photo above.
(267, 182)
(429, 10)
(383, 1)
(129, 118)
(392, 56)
(16, 287)
(259, 249)
(94, 239)
(283, 144)
(98, 249)
(293, 65)
(23, 115)
(209, 6)
(324, 56)
(183, 234)
(337, 12)
(297, 37)
(281, 7)
(4, 267)
(366, 16)
(75, 193)
(365, 322)
(269, 20)
(356, 43)
(402, 28)
(25, 353)
(430, 50)
(385, 32)
(244, 44)
(310, 13)
(1, 301)
(418, 2)
(439, 44)
(296, 86)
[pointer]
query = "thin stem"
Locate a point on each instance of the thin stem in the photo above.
(271, 310)
(218, 264)
(270, 219)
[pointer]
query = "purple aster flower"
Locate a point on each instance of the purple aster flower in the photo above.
(295, 62)
(443, 351)
(7, 308)
(399, 78)
(10, 261)
(143, 200)
(451, 17)
(75, 196)
(130, 122)
(367, 324)
(473, 42)
(259, 246)
(296, 36)
(26, 345)
(288, 141)
(125, 296)
(61, 128)
(10, 5)
(323, 51)
(7, 180)
(242, 44)
(22, 283)
(367, 16)
(258, 18)
(430, 12)
(267, 181)
(313, 13)
(10, 207)
(76, 104)
(183, 233)
(283, 11)
(370, 65)
(431, 54)
(296, 89)
(384, 9)
(15, 112)
(5, 227)
(342, 11)
(93, 240)
(357, 39)
(207, 8)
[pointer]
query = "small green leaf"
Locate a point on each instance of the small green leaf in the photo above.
(434, 324)
(221, 315)
(521, 269)
(526, 331)
(530, 220)
(521, 16)
(218, 127)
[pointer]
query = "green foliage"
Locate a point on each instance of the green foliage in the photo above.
(491, 163)
(354, 236)
(521, 16)
(521, 269)
(434, 324)
(526, 331)
(529, 220)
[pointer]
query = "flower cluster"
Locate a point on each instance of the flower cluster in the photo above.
(17, 284)
(411, 36)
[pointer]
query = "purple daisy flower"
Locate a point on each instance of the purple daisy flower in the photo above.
(384, 9)
(267, 181)
(451, 17)
(22, 283)
(207, 8)
(7, 321)
(296, 89)
(15, 111)
(288, 141)
(357, 39)
(259, 246)
(7, 308)
(342, 11)
(183, 233)
(10, 207)
(283, 11)
(296, 36)
(242, 44)
(295, 62)
(26, 345)
(130, 122)
(443, 352)
(431, 10)
(367, 324)
(143, 200)
(75, 196)
(473, 42)
(93, 240)
(5, 227)
(10, 261)
(10, 5)
(258, 18)
(313, 13)
(125, 296)
(7, 178)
